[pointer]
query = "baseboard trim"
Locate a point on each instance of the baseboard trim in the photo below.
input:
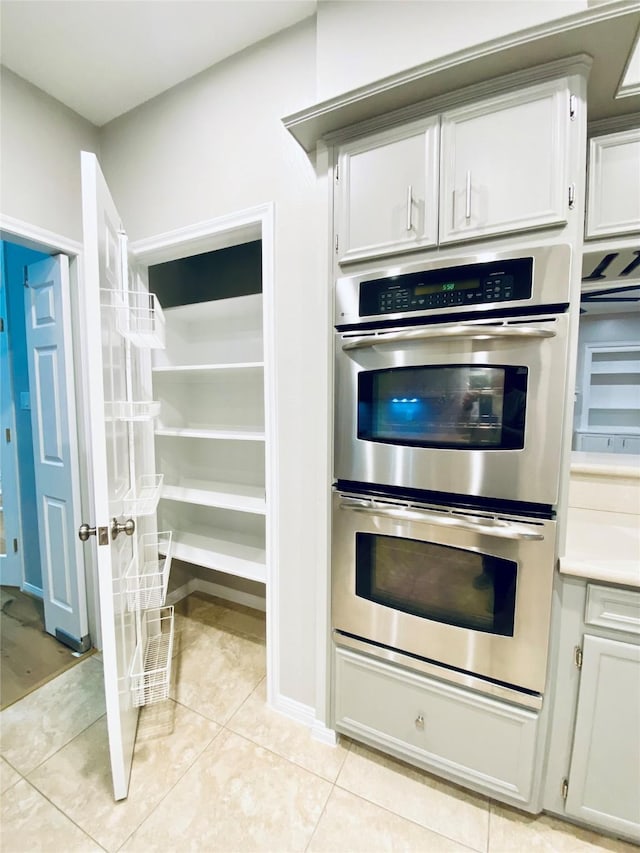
(294, 710)
(321, 733)
(32, 590)
(219, 591)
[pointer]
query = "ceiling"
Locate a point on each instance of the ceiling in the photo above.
(102, 59)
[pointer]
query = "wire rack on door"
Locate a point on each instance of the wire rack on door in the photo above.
(131, 410)
(150, 672)
(147, 575)
(139, 316)
(143, 497)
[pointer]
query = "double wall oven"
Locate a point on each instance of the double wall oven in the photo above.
(451, 382)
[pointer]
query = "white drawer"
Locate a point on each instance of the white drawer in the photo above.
(462, 735)
(608, 607)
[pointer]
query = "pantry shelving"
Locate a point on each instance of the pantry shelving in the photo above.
(210, 434)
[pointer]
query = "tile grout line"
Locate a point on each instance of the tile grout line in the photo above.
(63, 813)
(414, 822)
(180, 778)
(62, 745)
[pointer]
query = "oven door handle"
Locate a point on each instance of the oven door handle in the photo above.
(461, 330)
(487, 526)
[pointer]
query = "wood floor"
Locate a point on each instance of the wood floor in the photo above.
(30, 656)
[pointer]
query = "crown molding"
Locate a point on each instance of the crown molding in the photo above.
(605, 33)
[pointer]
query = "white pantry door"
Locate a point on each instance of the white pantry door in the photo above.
(112, 464)
(55, 449)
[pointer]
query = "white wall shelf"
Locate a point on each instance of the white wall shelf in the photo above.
(214, 549)
(213, 433)
(241, 498)
(199, 369)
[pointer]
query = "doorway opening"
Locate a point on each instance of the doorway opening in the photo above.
(214, 442)
(31, 654)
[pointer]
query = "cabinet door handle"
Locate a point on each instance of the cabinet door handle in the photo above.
(409, 206)
(467, 205)
(420, 722)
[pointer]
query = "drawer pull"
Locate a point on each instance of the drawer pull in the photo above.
(420, 723)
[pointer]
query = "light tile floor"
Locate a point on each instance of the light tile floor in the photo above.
(216, 770)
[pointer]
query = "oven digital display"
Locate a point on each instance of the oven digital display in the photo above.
(452, 287)
(446, 287)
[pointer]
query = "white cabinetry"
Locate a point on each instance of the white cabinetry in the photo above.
(388, 191)
(603, 786)
(493, 166)
(610, 405)
(210, 434)
(484, 743)
(593, 442)
(613, 205)
(504, 163)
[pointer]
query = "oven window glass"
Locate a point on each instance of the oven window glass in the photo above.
(437, 582)
(470, 406)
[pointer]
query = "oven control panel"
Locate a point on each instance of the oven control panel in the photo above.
(452, 287)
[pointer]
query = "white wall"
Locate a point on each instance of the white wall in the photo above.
(41, 142)
(212, 146)
(360, 41)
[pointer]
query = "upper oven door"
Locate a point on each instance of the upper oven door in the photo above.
(472, 408)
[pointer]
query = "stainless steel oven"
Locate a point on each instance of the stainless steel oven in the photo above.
(465, 595)
(451, 378)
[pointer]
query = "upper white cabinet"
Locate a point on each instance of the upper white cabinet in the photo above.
(387, 192)
(490, 167)
(613, 205)
(504, 163)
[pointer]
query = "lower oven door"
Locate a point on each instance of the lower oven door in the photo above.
(467, 591)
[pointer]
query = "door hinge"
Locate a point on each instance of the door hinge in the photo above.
(336, 244)
(573, 107)
(15, 546)
(577, 657)
(1, 324)
(565, 788)
(337, 171)
(25, 279)
(572, 196)
(7, 435)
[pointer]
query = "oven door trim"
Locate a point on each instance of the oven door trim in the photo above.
(443, 673)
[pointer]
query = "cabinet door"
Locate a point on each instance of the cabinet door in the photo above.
(614, 184)
(604, 782)
(596, 443)
(504, 163)
(627, 444)
(472, 739)
(387, 192)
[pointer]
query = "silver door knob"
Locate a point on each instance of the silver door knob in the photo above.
(127, 527)
(84, 532)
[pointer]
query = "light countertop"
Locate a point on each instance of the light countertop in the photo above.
(603, 529)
